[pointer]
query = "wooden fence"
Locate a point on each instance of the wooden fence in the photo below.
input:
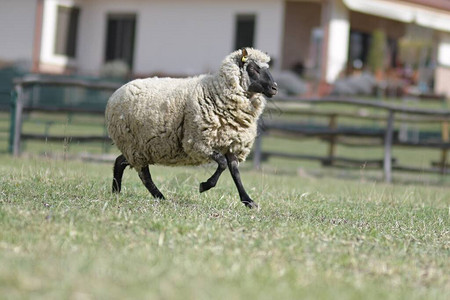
(22, 105)
(334, 134)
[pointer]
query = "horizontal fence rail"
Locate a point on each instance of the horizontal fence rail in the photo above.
(31, 80)
(367, 103)
(22, 105)
(387, 137)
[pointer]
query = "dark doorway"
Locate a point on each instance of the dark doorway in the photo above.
(245, 31)
(358, 50)
(120, 38)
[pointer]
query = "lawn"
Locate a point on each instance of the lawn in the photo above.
(65, 236)
(319, 233)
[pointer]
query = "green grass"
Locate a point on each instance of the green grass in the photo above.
(65, 236)
(4, 131)
(61, 124)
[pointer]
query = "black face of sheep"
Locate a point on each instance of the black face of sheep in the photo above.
(261, 81)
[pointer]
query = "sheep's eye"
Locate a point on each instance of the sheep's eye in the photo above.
(253, 70)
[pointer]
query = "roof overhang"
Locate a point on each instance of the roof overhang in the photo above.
(404, 12)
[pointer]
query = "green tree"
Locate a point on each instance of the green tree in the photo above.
(377, 51)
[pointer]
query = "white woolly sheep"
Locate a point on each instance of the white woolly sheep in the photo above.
(191, 121)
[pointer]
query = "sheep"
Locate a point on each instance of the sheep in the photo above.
(191, 121)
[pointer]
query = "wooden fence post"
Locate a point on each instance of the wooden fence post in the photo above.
(445, 139)
(388, 137)
(332, 125)
(18, 115)
(12, 120)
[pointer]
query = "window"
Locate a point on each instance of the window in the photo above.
(120, 38)
(66, 30)
(245, 31)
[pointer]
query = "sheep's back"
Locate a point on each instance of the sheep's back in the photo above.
(145, 120)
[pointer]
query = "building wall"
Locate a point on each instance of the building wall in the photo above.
(442, 74)
(442, 78)
(178, 37)
(300, 19)
(367, 23)
(17, 30)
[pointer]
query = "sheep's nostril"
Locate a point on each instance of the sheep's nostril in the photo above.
(275, 86)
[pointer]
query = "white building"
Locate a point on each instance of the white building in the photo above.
(154, 36)
(179, 37)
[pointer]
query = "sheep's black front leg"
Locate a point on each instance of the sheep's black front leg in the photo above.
(221, 166)
(119, 166)
(146, 178)
(233, 166)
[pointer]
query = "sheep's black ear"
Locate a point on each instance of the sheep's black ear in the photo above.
(244, 57)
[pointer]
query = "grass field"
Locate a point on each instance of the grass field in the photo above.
(65, 236)
(327, 233)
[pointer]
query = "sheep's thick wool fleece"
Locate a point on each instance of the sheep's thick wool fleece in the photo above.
(171, 121)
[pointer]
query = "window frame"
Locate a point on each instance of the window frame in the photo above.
(67, 47)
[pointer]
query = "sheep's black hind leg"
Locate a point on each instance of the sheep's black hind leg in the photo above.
(221, 166)
(233, 166)
(119, 166)
(146, 178)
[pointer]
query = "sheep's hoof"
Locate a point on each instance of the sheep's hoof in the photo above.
(204, 186)
(251, 204)
(159, 196)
